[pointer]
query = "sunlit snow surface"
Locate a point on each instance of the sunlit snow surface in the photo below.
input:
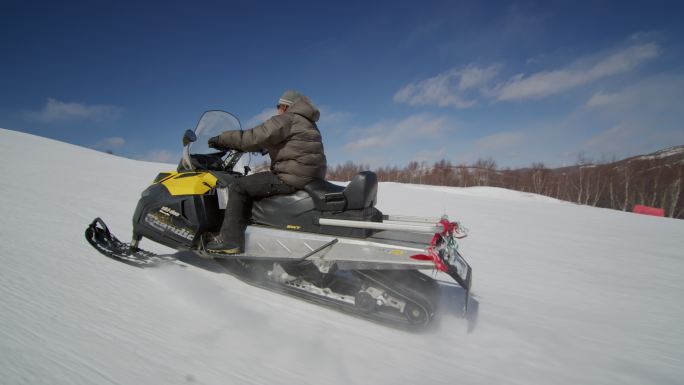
(562, 294)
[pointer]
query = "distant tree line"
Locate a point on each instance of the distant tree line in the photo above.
(646, 180)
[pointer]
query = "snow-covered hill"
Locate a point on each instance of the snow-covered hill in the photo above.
(564, 294)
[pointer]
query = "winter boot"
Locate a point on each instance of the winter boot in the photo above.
(220, 246)
(231, 239)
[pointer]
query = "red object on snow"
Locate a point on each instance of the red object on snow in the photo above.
(648, 210)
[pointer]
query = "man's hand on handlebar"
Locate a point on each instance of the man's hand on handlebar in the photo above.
(214, 143)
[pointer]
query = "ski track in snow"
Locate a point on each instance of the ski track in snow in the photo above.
(562, 294)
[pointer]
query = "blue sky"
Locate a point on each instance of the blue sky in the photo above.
(518, 81)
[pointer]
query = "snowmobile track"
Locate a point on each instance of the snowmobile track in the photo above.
(420, 292)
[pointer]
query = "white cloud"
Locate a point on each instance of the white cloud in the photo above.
(604, 99)
(329, 117)
(642, 117)
(393, 133)
(332, 117)
(613, 134)
(260, 117)
(109, 144)
(56, 110)
(357, 145)
(431, 155)
(536, 59)
(160, 156)
(649, 99)
(464, 87)
(581, 72)
(454, 87)
(500, 141)
(621, 139)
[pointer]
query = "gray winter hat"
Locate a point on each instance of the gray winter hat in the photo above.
(288, 97)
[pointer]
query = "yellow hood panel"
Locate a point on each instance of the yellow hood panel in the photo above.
(189, 183)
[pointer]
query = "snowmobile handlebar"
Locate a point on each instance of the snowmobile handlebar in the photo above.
(212, 161)
(213, 143)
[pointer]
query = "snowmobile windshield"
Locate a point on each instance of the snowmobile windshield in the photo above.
(212, 123)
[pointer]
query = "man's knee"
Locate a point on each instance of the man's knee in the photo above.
(237, 187)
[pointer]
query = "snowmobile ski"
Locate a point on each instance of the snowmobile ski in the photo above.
(99, 236)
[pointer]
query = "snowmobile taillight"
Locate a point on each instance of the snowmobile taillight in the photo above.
(431, 256)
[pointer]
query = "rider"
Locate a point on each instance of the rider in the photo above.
(294, 144)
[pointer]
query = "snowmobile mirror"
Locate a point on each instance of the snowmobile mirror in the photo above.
(189, 137)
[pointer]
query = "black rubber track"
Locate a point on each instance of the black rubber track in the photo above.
(418, 290)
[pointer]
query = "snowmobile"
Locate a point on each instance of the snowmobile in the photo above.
(326, 243)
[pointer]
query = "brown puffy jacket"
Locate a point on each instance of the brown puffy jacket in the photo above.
(292, 140)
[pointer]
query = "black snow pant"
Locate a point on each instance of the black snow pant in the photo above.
(241, 194)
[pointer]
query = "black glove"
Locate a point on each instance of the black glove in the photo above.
(214, 143)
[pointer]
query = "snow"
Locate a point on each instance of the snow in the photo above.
(563, 294)
(666, 153)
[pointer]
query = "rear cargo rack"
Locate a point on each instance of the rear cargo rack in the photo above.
(397, 223)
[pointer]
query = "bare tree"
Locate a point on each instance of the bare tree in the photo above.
(676, 189)
(628, 172)
(618, 185)
(539, 177)
(484, 170)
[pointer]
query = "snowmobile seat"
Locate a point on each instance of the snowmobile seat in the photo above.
(326, 196)
(360, 193)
